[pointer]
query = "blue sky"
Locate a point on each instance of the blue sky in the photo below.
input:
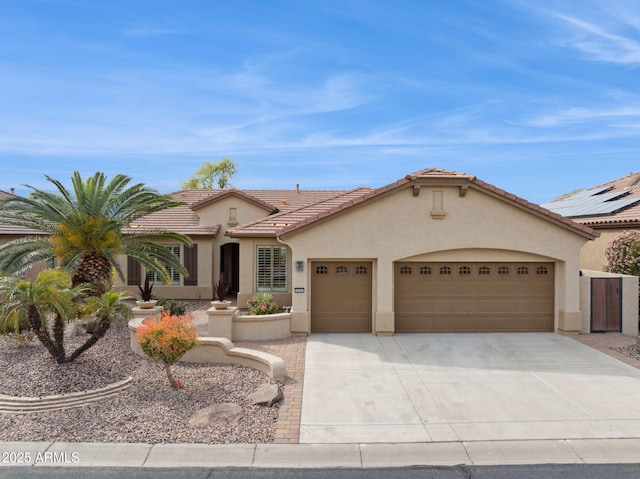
(537, 97)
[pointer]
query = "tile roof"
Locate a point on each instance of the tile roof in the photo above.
(274, 225)
(284, 223)
(184, 219)
(618, 194)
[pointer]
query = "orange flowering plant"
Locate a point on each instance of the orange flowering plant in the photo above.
(167, 340)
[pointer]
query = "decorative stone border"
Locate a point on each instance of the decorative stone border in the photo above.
(23, 405)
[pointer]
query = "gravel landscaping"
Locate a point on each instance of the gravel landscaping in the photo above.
(150, 411)
(630, 351)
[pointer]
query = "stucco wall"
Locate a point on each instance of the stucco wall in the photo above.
(399, 226)
(592, 253)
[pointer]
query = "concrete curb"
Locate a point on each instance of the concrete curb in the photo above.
(570, 451)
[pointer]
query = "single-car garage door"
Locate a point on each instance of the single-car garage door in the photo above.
(474, 297)
(341, 296)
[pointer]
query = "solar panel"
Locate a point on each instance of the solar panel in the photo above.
(593, 202)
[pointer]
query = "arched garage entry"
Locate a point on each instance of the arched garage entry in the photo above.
(473, 296)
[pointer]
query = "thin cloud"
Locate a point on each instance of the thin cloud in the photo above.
(577, 115)
(604, 33)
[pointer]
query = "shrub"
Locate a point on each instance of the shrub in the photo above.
(623, 253)
(166, 341)
(262, 303)
(173, 306)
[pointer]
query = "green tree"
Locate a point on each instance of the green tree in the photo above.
(50, 298)
(85, 229)
(211, 174)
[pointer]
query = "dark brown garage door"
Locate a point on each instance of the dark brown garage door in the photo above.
(340, 296)
(474, 297)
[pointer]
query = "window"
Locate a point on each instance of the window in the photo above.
(342, 270)
(361, 270)
(155, 278)
(522, 271)
(484, 270)
(464, 271)
(503, 271)
(542, 271)
(405, 270)
(272, 268)
(425, 270)
(445, 270)
(322, 270)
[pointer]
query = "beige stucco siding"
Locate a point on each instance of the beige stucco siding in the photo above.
(399, 225)
(219, 212)
(592, 254)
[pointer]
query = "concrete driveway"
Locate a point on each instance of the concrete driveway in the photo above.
(464, 387)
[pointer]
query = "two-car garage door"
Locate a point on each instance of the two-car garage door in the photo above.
(436, 296)
(474, 296)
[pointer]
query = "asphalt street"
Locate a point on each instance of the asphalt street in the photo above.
(560, 471)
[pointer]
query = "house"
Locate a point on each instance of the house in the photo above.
(609, 209)
(436, 250)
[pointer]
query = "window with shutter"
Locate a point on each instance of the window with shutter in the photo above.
(272, 268)
(155, 278)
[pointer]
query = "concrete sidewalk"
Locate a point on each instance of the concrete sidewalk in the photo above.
(580, 451)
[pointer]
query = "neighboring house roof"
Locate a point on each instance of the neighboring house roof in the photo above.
(184, 219)
(285, 223)
(615, 203)
(10, 230)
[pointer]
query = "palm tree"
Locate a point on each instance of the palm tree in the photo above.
(51, 294)
(85, 229)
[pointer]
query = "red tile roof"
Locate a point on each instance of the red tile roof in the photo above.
(279, 225)
(629, 186)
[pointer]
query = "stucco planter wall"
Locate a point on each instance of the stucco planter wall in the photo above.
(258, 327)
(223, 351)
(228, 323)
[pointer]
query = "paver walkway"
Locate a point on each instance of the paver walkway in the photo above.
(293, 351)
(606, 342)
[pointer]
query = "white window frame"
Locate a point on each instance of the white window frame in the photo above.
(156, 279)
(272, 264)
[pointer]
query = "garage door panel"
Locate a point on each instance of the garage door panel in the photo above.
(474, 297)
(341, 296)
